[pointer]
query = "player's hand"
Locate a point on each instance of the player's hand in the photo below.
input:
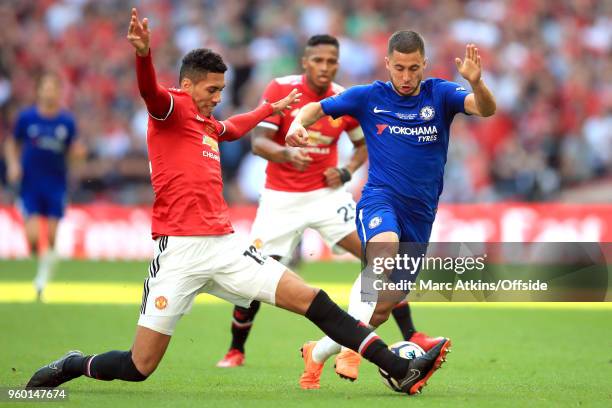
(13, 174)
(287, 102)
(334, 176)
(298, 158)
(78, 151)
(470, 67)
(138, 34)
(297, 135)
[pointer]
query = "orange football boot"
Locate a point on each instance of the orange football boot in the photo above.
(311, 377)
(347, 364)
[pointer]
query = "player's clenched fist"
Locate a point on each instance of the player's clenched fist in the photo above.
(296, 135)
(138, 34)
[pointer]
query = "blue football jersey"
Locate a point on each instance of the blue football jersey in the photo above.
(44, 144)
(407, 137)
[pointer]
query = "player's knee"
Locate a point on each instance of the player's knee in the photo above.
(378, 318)
(143, 366)
(380, 315)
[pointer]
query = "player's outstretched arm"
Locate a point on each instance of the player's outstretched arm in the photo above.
(264, 145)
(157, 99)
(239, 125)
(309, 114)
(481, 101)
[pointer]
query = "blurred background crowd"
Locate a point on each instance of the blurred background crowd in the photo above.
(549, 63)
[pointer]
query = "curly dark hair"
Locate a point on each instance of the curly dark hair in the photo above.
(199, 62)
(322, 39)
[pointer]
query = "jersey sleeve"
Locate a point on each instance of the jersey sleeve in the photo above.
(353, 129)
(239, 125)
(159, 101)
(20, 129)
(72, 130)
(453, 97)
(348, 102)
(272, 93)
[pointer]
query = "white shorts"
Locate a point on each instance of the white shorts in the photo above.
(283, 216)
(225, 266)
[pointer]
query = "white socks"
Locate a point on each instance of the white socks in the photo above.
(46, 266)
(326, 347)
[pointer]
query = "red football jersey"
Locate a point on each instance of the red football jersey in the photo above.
(323, 135)
(186, 171)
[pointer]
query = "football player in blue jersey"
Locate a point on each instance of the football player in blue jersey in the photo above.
(36, 162)
(406, 122)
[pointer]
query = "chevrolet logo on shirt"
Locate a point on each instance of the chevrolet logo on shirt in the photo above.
(212, 143)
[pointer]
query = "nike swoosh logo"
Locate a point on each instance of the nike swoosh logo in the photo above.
(376, 110)
(413, 376)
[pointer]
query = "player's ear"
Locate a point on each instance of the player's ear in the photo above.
(387, 62)
(186, 84)
(425, 62)
(304, 60)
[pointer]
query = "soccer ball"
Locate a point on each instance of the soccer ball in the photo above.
(404, 349)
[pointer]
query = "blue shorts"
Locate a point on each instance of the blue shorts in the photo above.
(44, 202)
(377, 214)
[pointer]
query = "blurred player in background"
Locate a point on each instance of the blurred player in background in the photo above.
(406, 122)
(304, 189)
(37, 164)
(195, 250)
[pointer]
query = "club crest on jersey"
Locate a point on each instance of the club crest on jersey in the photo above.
(427, 112)
(161, 302)
(374, 222)
(61, 132)
(258, 243)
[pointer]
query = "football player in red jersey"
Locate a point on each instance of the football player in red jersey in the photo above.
(305, 189)
(195, 250)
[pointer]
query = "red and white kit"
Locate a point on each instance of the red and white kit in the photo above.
(195, 250)
(294, 200)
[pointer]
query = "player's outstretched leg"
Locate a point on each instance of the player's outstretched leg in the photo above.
(293, 294)
(242, 322)
(134, 365)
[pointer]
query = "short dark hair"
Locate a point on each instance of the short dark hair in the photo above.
(322, 39)
(199, 62)
(406, 42)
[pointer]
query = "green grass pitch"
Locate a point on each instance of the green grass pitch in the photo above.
(502, 357)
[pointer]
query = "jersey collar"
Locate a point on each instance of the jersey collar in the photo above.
(311, 92)
(404, 97)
